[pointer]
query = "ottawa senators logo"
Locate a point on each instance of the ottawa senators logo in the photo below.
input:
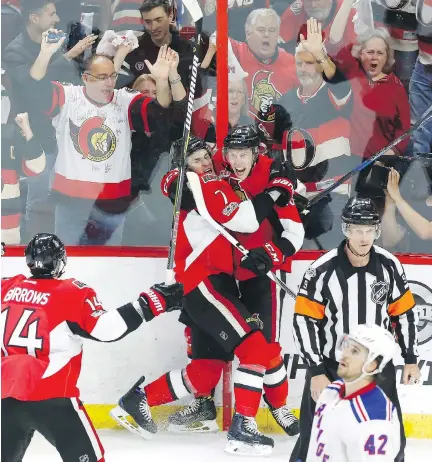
(93, 140)
(300, 147)
(264, 93)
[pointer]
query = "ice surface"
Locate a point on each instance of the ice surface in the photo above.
(122, 446)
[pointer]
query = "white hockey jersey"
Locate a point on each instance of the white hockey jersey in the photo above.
(360, 427)
(94, 141)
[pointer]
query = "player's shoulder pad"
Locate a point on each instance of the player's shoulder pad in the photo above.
(372, 405)
(8, 282)
(13, 279)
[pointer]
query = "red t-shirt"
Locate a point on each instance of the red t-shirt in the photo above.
(381, 110)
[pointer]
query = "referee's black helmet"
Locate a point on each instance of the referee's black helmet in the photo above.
(360, 211)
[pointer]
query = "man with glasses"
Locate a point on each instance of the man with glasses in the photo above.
(93, 126)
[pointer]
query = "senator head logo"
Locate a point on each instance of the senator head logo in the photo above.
(264, 93)
(93, 140)
(423, 298)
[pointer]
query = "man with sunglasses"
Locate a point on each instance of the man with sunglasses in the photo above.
(93, 126)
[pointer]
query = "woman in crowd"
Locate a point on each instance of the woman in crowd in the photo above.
(381, 107)
(205, 126)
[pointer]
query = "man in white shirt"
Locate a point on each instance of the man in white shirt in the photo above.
(93, 126)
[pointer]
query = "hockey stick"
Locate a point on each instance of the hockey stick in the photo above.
(197, 16)
(426, 116)
(195, 187)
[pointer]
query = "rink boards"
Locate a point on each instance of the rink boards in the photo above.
(110, 369)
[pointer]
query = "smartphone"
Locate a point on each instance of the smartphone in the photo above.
(53, 37)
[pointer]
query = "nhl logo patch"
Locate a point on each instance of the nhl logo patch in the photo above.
(379, 292)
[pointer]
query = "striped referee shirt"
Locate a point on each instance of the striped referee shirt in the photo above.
(335, 297)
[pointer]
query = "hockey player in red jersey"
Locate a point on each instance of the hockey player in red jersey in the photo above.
(44, 322)
(219, 321)
(279, 236)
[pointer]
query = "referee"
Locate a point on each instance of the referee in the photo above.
(356, 283)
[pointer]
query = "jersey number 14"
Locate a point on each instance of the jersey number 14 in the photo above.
(24, 334)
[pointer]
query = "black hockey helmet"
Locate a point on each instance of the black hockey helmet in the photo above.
(242, 136)
(195, 144)
(46, 255)
(360, 211)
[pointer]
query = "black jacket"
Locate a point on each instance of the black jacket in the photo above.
(18, 58)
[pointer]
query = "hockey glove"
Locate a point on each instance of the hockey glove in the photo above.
(169, 186)
(161, 298)
(262, 259)
(283, 180)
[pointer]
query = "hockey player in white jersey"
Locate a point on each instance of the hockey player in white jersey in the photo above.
(354, 420)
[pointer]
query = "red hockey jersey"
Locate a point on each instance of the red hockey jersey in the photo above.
(267, 80)
(283, 226)
(201, 250)
(43, 323)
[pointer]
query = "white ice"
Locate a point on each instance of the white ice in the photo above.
(122, 446)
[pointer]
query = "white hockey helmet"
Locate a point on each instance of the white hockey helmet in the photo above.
(378, 341)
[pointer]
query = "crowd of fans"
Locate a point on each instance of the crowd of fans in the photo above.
(328, 83)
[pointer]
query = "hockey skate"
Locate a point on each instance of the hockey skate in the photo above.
(285, 419)
(198, 417)
(134, 404)
(244, 438)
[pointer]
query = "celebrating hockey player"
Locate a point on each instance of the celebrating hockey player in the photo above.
(220, 323)
(356, 283)
(357, 404)
(44, 322)
(280, 235)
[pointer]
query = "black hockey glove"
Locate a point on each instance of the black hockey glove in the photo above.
(282, 179)
(262, 259)
(161, 298)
